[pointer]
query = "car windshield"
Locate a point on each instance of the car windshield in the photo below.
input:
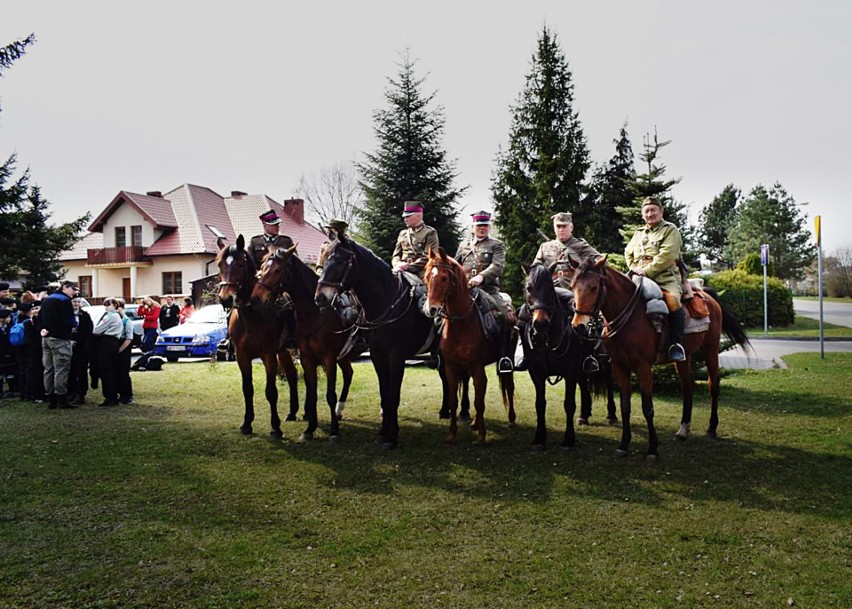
(130, 312)
(211, 314)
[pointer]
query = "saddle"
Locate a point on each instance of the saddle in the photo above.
(658, 304)
(495, 314)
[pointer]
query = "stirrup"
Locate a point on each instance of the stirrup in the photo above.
(504, 365)
(590, 364)
(676, 353)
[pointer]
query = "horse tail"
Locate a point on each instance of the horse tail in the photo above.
(598, 380)
(731, 326)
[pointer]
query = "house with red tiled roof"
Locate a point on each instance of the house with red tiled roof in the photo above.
(160, 243)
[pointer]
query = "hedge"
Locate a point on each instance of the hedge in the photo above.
(742, 295)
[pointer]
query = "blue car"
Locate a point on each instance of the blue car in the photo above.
(198, 337)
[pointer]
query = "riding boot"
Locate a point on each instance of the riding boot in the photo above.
(504, 364)
(677, 320)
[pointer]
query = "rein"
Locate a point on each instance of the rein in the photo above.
(442, 309)
(618, 323)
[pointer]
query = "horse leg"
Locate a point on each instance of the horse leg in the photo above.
(453, 378)
(538, 379)
(507, 390)
(331, 397)
(685, 376)
(622, 379)
(244, 362)
(611, 417)
(464, 410)
(570, 407)
(444, 413)
(396, 371)
(585, 400)
(271, 367)
(480, 385)
(292, 376)
(309, 371)
(712, 361)
(646, 388)
(346, 370)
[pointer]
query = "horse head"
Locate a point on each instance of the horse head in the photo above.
(589, 286)
(540, 298)
(337, 277)
(236, 273)
(445, 282)
(276, 272)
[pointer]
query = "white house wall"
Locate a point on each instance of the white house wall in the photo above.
(126, 215)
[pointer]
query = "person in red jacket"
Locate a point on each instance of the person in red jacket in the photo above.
(150, 310)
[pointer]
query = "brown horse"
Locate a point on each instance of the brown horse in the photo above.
(319, 335)
(632, 343)
(254, 334)
(463, 343)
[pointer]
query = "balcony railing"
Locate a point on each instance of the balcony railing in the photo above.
(116, 255)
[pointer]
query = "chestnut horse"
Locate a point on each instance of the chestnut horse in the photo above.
(633, 344)
(397, 329)
(319, 335)
(464, 346)
(552, 349)
(253, 334)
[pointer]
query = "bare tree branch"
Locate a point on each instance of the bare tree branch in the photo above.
(332, 192)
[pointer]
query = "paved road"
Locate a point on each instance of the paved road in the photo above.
(837, 313)
(768, 352)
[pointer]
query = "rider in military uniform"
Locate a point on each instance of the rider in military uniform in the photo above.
(413, 242)
(565, 249)
(654, 252)
(483, 258)
(260, 244)
(339, 227)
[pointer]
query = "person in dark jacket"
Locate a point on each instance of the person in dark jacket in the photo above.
(78, 381)
(169, 314)
(58, 323)
(26, 310)
(7, 357)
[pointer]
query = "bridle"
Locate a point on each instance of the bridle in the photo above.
(617, 323)
(562, 346)
(442, 310)
(238, 286)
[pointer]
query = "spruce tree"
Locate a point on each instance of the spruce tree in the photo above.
(409, 164)
(772, 216)
(29, 243)
(542, 170)
(715, 222)
(609, 191)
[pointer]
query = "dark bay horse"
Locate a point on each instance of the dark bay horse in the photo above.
(552, 349)
(464, 346)
(319, 334)
(398, 330)
(254, 334)
(633, 345)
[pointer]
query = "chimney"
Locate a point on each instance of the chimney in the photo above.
(295, 208)
(236, 194)
(155, 193)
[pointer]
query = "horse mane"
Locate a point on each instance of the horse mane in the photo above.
(366, 256)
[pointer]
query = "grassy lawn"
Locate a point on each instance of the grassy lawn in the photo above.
(803, 327)
(164, 504)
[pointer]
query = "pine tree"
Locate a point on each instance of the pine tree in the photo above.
(543, 169)
(653, 184)
(716, 221)
(773, 216)
(29, 244)
(609, 191)
(409, 164)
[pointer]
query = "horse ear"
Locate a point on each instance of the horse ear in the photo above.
(292, 250)
(220, 242)
(442, 253)
(241, 242)
(525, 270)
(600, 262)
(551, 268)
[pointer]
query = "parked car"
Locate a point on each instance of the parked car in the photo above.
(198, 337)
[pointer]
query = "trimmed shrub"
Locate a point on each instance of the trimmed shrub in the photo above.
(742, 295)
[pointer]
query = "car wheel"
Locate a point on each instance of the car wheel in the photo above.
(172, 358)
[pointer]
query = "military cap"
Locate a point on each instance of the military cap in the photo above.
(26, 306)
(652, 201)
(270, 217)
(411, 207)
(3, 286)
(4, 313)
(337, 224)
(6, 301)
(563, 217)
(481, 217)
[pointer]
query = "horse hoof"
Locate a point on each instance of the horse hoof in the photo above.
(464, 416)
(612, 422)
(334, 439)
(443, 415)
(538, 448)
(306, 436)
(712, 435)
(276, 435)
(652, 458)
(567, 447)
(291, 416)
(450, 440)
(620, 453)
(582, 422)
(388, 445)
(246, 431)
(680, 436)
(338, 410)
(512, 425)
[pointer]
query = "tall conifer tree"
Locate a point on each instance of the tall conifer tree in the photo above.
(716, 222)
(610, 190)
(409, 164)
(542, 170)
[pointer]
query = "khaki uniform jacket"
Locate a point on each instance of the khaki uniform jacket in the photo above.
(575, 249)
(657, 251)
(412, 246)
(487, 258)
(258, 245)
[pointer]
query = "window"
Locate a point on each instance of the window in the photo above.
(120, 236)
(172, 283)
(136, 236)
(85, 283)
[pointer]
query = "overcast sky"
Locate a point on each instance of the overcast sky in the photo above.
(249, 95)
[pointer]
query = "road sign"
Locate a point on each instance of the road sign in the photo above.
(764, 254)
(817, 223)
